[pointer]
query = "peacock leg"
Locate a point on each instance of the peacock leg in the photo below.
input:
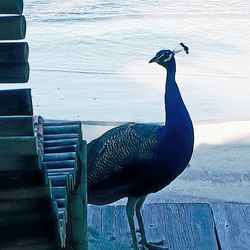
(130, 209)
(144, 242)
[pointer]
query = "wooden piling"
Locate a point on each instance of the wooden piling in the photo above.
(11, 7)
(14, 53)
(15, 102)
(12, 27)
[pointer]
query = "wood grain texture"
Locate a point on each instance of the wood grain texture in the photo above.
(182, 226)
(232, 222)
(16, 102)
(11, 7)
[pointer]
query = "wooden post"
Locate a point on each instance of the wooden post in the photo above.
(18, 145)
(12, 53)
(11, 7)
(79, 206)
(16, 102)
(16, 126)
(14, 73)
(12, 28)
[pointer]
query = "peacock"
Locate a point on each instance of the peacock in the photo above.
(136, 159)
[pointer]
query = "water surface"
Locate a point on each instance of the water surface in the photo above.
(89, 59)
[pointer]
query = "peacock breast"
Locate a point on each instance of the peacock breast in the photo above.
(175, 149)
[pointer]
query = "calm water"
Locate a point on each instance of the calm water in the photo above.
(89, 59)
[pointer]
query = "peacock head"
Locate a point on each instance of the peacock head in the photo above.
(164, 57)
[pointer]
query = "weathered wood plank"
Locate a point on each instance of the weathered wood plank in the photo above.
(61, 123)
(59, 157)
(16, 102)
(59, 192)
(61, 149)
(37, 225)
(11, 7)
(9, 194)
(62, 129)
(108, 228)
(12, 27)
(232, 221)
(60, 164)
(61, 203)
(12, 53)
(64, 171)
(16, 126)
(182, 226)
(60, 136)
(21, 178)
(68, 172)
(14, 73)
(36, 246)
(60, 181)
(11, 219)
(62, 142)
(37, 205)
(34, 243)
(14, 162)
(20, 145)
(78, 205)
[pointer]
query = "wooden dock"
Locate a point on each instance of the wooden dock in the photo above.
(183, 226)
(43, 179)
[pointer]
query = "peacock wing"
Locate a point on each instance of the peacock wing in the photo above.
(119, 147)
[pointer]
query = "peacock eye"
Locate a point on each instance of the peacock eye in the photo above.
(167, 57)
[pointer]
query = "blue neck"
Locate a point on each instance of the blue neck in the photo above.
(176, 138)
(176, 112)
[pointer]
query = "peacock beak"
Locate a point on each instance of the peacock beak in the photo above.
(154, 59)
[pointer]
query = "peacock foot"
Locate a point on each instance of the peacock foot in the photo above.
(153, 245)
